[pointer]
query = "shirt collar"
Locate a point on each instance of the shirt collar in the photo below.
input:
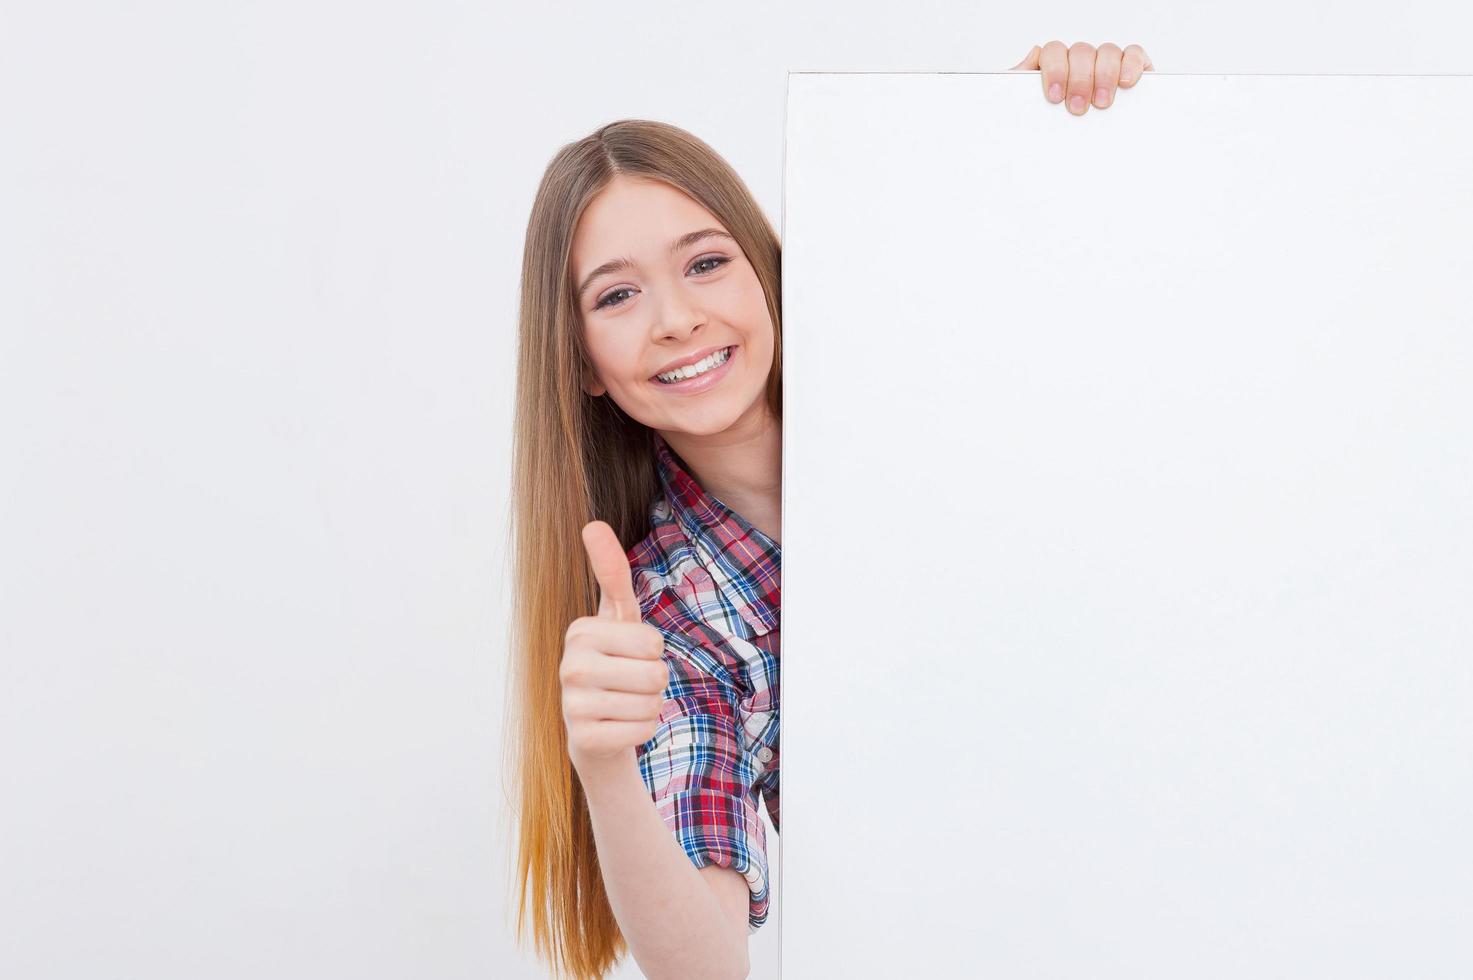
(745, 562)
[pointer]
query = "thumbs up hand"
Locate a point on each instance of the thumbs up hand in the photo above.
(613, 675)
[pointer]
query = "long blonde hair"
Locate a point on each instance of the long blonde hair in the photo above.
(578, 458)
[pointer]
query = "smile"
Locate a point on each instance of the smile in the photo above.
(719, 367)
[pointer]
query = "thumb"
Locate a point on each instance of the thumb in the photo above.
(611, 567)
(1029, 62)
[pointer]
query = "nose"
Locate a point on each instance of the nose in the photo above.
(678, 317)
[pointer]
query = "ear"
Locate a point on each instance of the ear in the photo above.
(591, 386)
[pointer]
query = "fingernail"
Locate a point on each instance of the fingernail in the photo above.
(1102, 96)
(1076, 102)
(1055, 92)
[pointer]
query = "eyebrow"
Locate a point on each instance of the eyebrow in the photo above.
(684, 241)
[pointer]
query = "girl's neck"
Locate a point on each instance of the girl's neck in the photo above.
(741, 467)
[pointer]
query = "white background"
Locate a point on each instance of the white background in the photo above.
(258, 269)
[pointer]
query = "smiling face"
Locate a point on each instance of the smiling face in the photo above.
(679, 294)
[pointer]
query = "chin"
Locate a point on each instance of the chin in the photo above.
(721, 418)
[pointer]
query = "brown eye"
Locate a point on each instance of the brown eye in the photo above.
(720, 260)
(607, 299)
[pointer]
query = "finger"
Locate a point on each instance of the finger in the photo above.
(628, 674)
(1029, 62)
(611, 567)
(614, 736)
(622, 706)
(1081, 77)
(1132, 62)
(1053, 60)
(638, 641)
(1107, 74)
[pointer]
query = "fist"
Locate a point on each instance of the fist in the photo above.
(613, 675)
(1088, 75)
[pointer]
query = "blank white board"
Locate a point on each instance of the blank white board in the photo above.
(1128, 554)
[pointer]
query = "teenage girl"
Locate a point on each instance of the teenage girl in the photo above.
(649, 396)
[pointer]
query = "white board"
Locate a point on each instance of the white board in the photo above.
(1128, 554)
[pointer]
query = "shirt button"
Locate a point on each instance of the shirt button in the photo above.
(765, 754)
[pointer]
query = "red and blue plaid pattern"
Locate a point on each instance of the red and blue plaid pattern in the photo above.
(710, 582)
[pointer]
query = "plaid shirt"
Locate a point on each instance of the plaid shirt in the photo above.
(710, 582)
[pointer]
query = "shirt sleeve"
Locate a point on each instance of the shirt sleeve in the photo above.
(697, 770)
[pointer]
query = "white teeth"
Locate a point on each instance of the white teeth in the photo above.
(700, 367)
